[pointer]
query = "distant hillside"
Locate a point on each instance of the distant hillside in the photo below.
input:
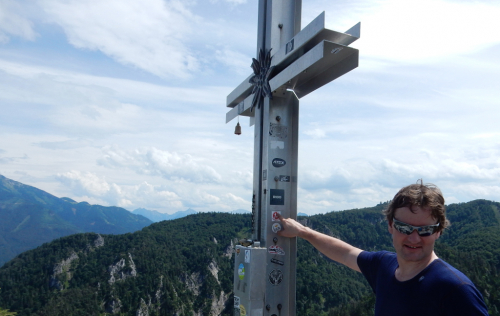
(240, 211)
(156, 216)
(30, 217)
(185, 266)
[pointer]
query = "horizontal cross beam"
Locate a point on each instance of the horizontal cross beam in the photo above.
(299, 45)
(323, 63)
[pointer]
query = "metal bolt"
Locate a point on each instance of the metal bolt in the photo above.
(280, 306)
(280, 25)
(278, 118)
(275, 239)
(268, 307)
(276, 178)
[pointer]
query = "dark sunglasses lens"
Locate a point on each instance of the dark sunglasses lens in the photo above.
(403, 229)
(426, 231)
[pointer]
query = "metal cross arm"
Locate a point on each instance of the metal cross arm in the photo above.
(311, 59)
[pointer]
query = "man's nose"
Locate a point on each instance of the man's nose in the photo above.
(414, 236)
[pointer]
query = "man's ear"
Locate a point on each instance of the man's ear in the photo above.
(389, 227)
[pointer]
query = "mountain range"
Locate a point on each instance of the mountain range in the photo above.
(156, 216)
(185, 266)
(30, 217)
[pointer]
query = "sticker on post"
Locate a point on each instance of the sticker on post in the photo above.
(276, 217)
(276, 261)
(237, 302)
(289, 46)
(241, 271)
(275, 250)
(275, 277)
(284, 178)
(276, 227)
(278, 162)
(237, 252)
(277, 197)
(277, 144)
(243, 311)
(278, 130)
(247, 256)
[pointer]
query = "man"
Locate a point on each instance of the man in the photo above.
(412, 281)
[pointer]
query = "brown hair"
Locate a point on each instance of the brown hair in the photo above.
(424, 195)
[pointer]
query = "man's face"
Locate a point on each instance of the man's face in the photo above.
(413, 248)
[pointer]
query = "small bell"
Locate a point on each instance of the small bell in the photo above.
(237, 130)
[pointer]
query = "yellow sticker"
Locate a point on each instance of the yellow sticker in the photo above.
(243, 311)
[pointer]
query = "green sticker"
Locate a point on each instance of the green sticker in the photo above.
(241, 271)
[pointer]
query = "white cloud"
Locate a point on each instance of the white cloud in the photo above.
(13, 23)
(95, 188)
(423, 103)
(315, 133)
(233, 2)
(169, 165)
(147, 34)
(7, 160)
(239, 62)
(235, 198)
(428, 30)
(85, 183)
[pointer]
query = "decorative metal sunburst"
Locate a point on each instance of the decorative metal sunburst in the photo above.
(260, 80)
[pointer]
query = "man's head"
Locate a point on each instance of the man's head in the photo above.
(426, 196)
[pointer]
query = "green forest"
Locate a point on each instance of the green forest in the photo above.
(185, 266)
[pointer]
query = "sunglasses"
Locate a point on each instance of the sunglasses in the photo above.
(407, 229)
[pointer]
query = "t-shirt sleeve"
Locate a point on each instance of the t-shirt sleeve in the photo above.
(464, 299)
(368, 263)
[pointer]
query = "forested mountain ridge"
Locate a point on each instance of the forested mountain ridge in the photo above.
(185, 266)
(30, 217)
(156, 216)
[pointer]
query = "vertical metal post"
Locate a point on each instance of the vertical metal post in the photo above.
(275, 163)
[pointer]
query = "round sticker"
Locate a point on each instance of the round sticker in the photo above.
(243, 311)
(276, 227)
(241, 271)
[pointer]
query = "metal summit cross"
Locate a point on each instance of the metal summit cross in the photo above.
(290, 64)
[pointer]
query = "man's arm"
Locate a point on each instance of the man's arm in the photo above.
(333, 248)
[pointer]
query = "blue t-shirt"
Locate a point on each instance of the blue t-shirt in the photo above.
(439, 289)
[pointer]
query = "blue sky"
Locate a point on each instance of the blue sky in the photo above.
(122, 102)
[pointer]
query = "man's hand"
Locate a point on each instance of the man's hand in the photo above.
(290, 227)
